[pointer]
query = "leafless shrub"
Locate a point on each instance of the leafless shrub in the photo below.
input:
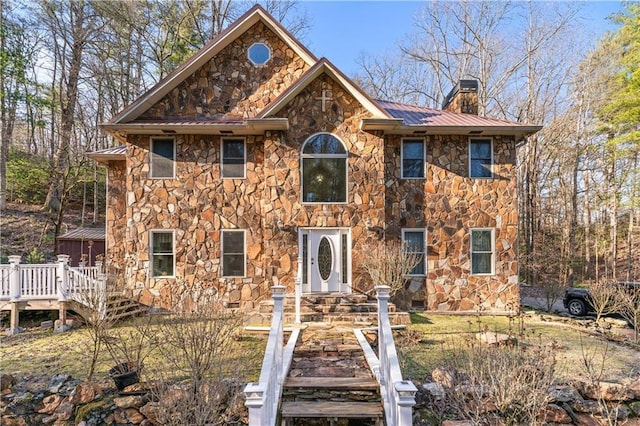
(131, 343)
(388, 263)
(594, 362)
(91, 306)
(604, 299)
(505, 384)
(197, 345)
(628, 300)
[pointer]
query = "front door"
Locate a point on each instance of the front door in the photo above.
(326, 259)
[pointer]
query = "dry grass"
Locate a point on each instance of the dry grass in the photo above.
(37, 353)
(441, 335)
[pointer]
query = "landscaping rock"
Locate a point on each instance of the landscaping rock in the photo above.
(130, 401)
(446, 376)
(50, 402)
(127, 415)
(6, 381)
(85, 392)
(564, 393)
(56, 382)
(556, 414)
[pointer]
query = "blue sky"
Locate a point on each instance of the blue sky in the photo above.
(342, 30)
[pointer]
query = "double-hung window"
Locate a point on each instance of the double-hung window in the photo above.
(163, 154)
(482, 252)
(413, 241)
(234, 158)
(162, 254)
(480, 158)
(413, 158)
(233, 253)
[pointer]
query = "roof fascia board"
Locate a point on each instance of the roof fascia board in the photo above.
(247, 127)
(390, 127)
(324, 66)
(105, 158)
(208, 51)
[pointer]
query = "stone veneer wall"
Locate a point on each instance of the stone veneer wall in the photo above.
(230, 85)
(116, 219)
(197, 204)
(448, 204)
(365, 179)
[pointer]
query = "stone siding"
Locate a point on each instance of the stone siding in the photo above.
(197, 204)
(116, 219)
(448, 204)
(365, 172)
(229, 85)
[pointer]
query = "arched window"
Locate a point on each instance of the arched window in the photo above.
(324, 169)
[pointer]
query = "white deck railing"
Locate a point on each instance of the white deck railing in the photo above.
(53, 281)
(263, 397)
(398, 395)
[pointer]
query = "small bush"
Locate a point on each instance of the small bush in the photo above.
(508, 384)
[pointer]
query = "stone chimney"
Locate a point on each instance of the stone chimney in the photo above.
(463, 98)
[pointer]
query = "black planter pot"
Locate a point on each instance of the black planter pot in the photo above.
(124, 375)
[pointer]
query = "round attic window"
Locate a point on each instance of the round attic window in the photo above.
(259, 54)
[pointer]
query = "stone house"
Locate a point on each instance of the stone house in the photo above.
(254, 154)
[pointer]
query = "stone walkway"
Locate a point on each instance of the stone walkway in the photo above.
(329, 382)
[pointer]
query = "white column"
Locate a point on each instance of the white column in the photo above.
(254, 401)
(406, 392)
(63, 277)
(298, 290)
(14, 279)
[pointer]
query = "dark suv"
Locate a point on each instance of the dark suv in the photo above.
(578, 302)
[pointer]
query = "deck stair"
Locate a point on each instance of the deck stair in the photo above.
(330, 308)
(118, 307)
(330, 383)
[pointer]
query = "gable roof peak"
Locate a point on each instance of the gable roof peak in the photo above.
(205, 53)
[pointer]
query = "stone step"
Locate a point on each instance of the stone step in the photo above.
(325, 409)
(349, 383)
(362, 319)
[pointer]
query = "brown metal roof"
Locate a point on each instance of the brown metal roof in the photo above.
(85, 234)
(110, 154)
(420, 116)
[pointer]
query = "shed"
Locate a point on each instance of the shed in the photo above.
(82, 241)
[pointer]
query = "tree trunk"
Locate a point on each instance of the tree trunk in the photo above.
(56, 196)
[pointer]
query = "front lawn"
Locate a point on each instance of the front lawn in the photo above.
(433, 338)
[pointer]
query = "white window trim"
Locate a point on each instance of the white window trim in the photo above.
(424, 246)
(469, 159)
(244, 253)
(244, 160)
(424, 158)
(151, 252)
(346, 171)
(255, 64)
(173, 171)
(493, 252)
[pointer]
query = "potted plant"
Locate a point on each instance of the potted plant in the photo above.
(128, 345)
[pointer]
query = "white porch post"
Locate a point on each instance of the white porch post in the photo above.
(15, 293)
(254, 395)
(63, 292)
(101, 289)
(63, 277)
(298, 289)
(406, 392)
(383, 293)
(14, 278)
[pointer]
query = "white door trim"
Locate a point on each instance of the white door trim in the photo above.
(339, 278)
